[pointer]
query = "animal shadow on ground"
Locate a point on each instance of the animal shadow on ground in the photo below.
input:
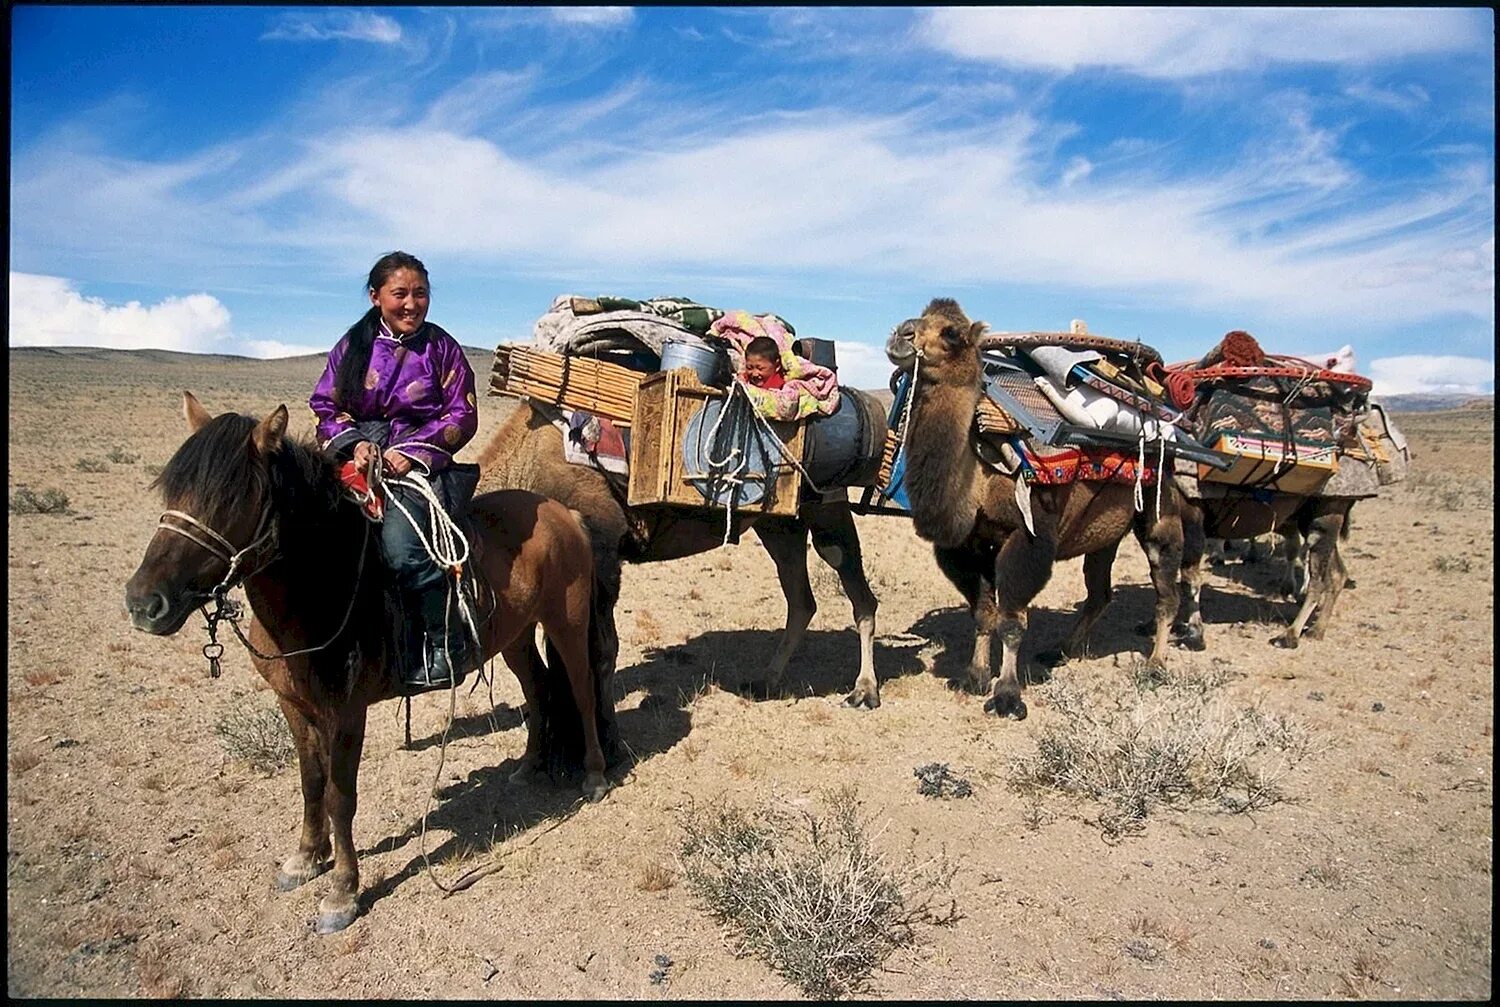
(486, 806)
(952, 630)
(825, 664)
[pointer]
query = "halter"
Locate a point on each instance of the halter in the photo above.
(221, 548)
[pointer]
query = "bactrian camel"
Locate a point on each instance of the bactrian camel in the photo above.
(969, 512)
(527, 453)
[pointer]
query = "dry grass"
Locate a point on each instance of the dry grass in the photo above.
(1449, 492)
(49, 501)
(42, 678)
(157, 977)
(1167, 747)
(655, 877)
(259, 737)
(813, 898)
(647, 629)
(90, 465)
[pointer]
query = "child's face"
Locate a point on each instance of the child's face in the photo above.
(758, 368)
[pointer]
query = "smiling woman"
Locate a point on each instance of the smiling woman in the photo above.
(398, 393)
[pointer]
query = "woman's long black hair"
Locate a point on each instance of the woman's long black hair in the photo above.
(361, 335)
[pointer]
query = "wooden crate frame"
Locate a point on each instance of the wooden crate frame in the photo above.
(664, 405)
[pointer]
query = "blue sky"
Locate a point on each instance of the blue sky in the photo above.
(219, 179)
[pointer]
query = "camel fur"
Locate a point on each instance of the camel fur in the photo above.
(527, 453)
(970, 514)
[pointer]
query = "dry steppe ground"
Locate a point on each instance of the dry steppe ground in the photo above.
(141, 850)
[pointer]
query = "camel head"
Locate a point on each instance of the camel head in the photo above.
(945, 341)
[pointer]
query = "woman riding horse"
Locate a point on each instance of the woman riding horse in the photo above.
(399, 389)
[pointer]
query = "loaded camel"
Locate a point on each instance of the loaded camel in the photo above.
(1371, 452)
(527, 453)
(970, 514)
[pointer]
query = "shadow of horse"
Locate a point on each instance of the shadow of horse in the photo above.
(486, 806)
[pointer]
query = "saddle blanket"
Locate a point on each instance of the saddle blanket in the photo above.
(594, 441)
(1059, 466)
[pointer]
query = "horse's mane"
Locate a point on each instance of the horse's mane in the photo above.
(214, 465)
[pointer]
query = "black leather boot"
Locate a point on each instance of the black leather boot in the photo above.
(448, 647)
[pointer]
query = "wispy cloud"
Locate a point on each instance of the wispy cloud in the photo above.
(1183, 42)
(50, 311)
(594, 17)
(321, 26)
(1433, 374)
(879, 197)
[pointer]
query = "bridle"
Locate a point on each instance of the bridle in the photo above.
(222, 549)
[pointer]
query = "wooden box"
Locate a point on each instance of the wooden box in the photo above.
(665, 404)
(1258, 458)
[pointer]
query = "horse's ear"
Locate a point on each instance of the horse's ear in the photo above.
(977, 331)
(268, 432)
(193, 412)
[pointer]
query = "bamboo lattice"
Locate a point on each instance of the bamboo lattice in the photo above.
(604, 389)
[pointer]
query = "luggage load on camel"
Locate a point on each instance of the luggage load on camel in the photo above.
(1060, 407)
(1297, 425)
(656, 391)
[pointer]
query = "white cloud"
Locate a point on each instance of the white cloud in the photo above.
(1436, 374)
(862, 365)
(595, 17)
(49, 311)
(358, 26)
(266, 349)
(1182, 42)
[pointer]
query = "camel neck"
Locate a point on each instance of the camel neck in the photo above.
(940, 464)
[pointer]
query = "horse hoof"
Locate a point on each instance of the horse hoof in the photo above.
(287, 881)
(861, 698)
(1286, 641)
(333, 922)
(524, 773)
(1006, 706)
(1191, 641)
(594, 789)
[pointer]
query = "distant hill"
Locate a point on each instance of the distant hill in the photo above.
(1431, 403)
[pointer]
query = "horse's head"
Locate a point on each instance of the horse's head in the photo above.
(218, 518)
(943, 339)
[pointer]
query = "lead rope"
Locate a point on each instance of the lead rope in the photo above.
(449, 549)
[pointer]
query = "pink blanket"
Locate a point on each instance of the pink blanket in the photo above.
(809, 387)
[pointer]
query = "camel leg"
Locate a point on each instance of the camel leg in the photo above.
(340, 800)
(1332, 574)
(836, 542)
(788, 549)
(1322, 539)
(1188, 628)
(1294, 583)
(970, 569)
(1097, 567)
(1022, 568)
(572, 647)
(1163, 542)
(525, 663)
(313, 849)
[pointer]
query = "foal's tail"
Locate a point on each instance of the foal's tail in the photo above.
(603, 679)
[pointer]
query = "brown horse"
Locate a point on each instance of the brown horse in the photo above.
(248, 505)
(970, 514)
